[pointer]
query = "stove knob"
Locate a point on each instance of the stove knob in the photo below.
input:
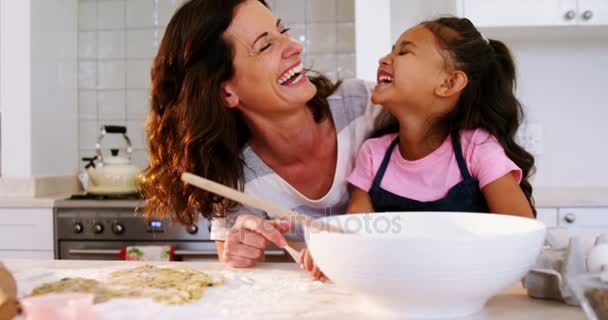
(192, 229)
(118, 228)
(77, 227)
(98, 228)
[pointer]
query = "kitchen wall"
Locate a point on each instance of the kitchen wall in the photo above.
(561, 82)
(117, 40)
(38, 87)
(561, 79)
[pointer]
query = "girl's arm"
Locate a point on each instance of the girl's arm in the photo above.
(505, 196)
(360, 202)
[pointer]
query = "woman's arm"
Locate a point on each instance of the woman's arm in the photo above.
(505, 196)
(360, 202)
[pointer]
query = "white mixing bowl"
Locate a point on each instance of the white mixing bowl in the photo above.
(427, 264)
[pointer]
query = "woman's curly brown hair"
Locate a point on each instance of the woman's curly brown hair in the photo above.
(189, 128)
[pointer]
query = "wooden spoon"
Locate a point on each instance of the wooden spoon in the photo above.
(257, 203)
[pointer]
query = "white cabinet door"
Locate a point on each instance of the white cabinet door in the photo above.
(548, 216)
(586, 223)
(26, 229)
(593, 12)
(512, 13)
(584, 217)
(30, 255)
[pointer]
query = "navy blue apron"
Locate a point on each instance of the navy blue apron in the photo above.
(464, 196)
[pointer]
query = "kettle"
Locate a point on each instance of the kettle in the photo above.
(114, 174)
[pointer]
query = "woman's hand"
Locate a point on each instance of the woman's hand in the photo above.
(308, 264)
(248, 238)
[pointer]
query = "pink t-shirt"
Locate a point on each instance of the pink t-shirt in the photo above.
(431, 177)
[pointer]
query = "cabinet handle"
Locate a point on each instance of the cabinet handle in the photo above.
(570, 15)
(587, 15)
(570, 218)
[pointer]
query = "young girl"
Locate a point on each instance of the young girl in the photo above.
(448, 143)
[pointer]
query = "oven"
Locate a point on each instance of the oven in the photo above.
(98, 229)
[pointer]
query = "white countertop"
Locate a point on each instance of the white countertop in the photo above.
(570, 197)
(24, 202)
(544, 197)
(269, 291)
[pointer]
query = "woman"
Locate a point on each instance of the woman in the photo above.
(230, 102)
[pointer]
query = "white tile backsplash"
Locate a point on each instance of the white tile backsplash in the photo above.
(111, 74)
(111, 14)
(118, 40)
(141, 43)
(345, 36)
(87, 104)
(87, 44)
(321, 11)
(142, 14)
(300, 33)
(140, 158)
(346, 66)
(345, 10)
(88, 131)
(166, 8)
(111, 44)
(87, 15)
(111, 104)
(322, 37)
(87, 75)
(135, 130)
(138, 73)
(137, 103)
(291, 11)
(324, 63)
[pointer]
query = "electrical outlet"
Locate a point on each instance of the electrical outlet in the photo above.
(530, 137)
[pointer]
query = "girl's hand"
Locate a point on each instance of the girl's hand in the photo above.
(308, 264)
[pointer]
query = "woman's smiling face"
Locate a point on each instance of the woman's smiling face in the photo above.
(269, 75)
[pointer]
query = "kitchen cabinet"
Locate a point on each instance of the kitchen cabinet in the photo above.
(585, 222)
(26, 233)
(593, 12)
(589, 218)
(583, 217)
(499, 19)
(548, 216)
(524, 13)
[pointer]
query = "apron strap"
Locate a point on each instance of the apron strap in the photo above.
(385, 161)
(462, 164)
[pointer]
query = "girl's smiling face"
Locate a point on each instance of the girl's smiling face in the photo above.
(411, 74)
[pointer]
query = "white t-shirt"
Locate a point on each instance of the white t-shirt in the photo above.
(354, 116)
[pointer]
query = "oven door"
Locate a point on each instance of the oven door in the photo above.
(184, 251)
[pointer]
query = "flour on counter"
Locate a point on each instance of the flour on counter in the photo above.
(245, 294)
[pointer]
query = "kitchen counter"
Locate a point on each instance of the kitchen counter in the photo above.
(544, 197)
(570, 197)
(269, 291)
(59, 201)
(27, 202)
(99, 203)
